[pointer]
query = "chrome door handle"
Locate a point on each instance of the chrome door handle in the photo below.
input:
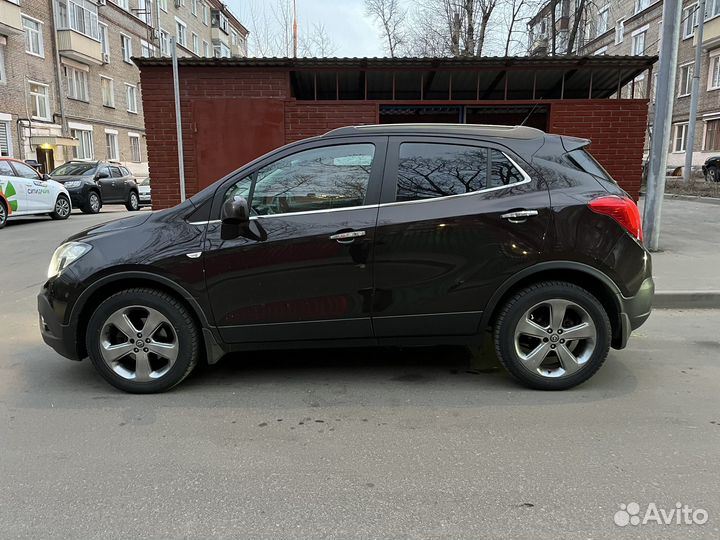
(350, 235)
(519, 216)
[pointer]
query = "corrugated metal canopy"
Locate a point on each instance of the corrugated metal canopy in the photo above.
(457, 78)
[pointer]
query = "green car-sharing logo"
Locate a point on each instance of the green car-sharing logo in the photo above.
(9, 193)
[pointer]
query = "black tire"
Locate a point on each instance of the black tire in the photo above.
(712, 174)
(596, 350)
(3, 213)
(133, 202)
(62, 208)
(92, 204)
(186, 333)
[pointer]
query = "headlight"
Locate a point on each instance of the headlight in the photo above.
(65, 255)
(73, 184)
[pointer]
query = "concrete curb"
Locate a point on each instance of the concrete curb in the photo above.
(694, 198)
(686, 300)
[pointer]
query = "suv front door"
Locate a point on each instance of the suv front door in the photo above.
(105, 182)
(446, 239)
(302, 270)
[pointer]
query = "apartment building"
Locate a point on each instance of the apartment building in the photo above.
(68, 85)
(622, 27)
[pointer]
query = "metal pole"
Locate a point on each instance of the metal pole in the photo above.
(178, 119)
(662, 120)
(694, 92)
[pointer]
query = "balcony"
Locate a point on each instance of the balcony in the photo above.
(10, 21)
(539, 45)
(219, 36)
(80, 47)
(711, 33)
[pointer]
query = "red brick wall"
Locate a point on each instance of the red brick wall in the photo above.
(616, 127)
(617, 130)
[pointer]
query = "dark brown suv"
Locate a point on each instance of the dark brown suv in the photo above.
(376, 235)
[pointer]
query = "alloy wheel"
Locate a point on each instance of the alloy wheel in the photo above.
(62, 207)
(134, 203)
(138, 343)
(555, 338)
(94, 202)
(3, 214)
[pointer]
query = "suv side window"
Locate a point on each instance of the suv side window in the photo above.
(316, 179)
(26, 171)
(430, 170)
(124, 171)
(115, 172)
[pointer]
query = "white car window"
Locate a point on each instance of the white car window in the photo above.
(6, 169)
(26, 171)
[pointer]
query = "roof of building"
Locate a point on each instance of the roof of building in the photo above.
(457, 78)
(476, 130)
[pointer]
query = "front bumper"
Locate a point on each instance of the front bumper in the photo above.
(77, 198)
(635, 310)
(60, 337)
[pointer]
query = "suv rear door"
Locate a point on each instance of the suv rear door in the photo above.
(449, 233)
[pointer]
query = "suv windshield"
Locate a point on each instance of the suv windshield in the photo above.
(584, 161)
(74, 169)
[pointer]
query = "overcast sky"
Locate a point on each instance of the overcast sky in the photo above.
(350, 30)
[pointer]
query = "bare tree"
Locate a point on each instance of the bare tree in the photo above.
(390, 16)
(315, 42)
(579, 16)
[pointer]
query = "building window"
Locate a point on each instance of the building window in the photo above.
(194, 7)
(601, 51)
(712, 135)
(686, 75)
(3, 75)
(104, 43)
(111, 145)
(77, 83)
(125, 4)
(5, 140)
(712, 9)
(126, 47)
(108, 91)
(222, 50)
(135, 148)
(144, 11)
(222, 21)
(162, 4)
(131, 91)
(39, 101)
(206, 14)
(164, 43)
(641, 4)
(196, 43)
(146, 50)
(33, 36)
(639, 43)
(679, 137)
(78, 15)
(714, 73)
(619, 31)
(206, 49)
(689, 20)
(181, 32)
(602, 20)
(84, 149)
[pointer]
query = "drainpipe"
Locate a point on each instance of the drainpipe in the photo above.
(687, 170)
(58, 70)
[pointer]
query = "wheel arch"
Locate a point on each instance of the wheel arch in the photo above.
(582, 275)
(101, 289)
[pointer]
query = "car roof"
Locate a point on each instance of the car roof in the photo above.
(474, 130)
(8, 158)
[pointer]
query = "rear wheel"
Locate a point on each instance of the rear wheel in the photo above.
(93, 204)
(552, 335)
(712, 174)
(3, 213)
(143, 341)
(133, 202)
(62, 208)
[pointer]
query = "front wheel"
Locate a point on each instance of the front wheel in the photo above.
(133, 202)
(712, 174)
(93, 204)
(62, 208)
(3, 214)
(143, 341)
(552, 335)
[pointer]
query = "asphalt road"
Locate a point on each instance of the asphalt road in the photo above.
(349, 444)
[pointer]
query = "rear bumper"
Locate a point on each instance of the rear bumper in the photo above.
(60, 337)
(635, 310)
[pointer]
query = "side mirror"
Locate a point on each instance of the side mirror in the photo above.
(46, 177)
(235, 211)
(102, 174)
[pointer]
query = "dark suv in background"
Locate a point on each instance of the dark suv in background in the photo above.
(94, 183)
(374, 235)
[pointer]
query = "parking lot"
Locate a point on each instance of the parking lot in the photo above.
(350, 444)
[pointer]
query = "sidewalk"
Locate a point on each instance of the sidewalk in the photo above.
(687, 267)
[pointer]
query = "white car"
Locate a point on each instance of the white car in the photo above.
(24, 192)
(145, 192)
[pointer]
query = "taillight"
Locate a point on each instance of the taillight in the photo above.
(621, 209)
